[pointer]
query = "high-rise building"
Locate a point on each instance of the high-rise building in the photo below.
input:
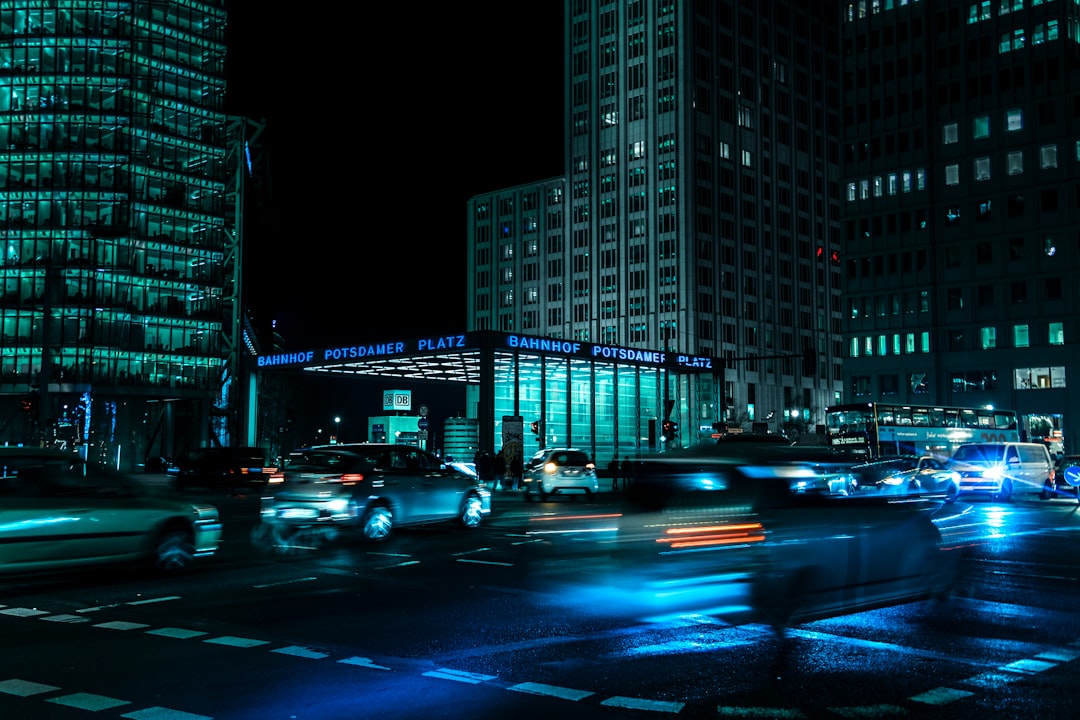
(120, 193)
(699, 213)
(961, 232)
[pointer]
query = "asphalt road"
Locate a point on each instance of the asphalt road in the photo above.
(496, 624)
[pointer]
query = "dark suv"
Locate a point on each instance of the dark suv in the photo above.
(223, 467)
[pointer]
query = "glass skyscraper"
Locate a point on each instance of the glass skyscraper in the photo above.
(120, 198)
(699, 214)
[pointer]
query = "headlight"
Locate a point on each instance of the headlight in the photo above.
(994, 473)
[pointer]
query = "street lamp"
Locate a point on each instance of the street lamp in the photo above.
(337, 429)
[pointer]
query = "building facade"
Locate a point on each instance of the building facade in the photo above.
(700, 210)
(961, 232)
(120, 194)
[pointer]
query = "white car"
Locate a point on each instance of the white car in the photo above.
(59, 511)
(558, 471)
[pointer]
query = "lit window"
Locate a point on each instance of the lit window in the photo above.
(1048, 156)
(1057, 333)
(982, 168)
(883, 345)
(982, 127)
(905, 181)
(924, 339)
(951, 134)
(1014, 120)
(1015, 160)
(1049, 246)
(877, 186)
(920, 179)
(1020, 336)
(746, 158)
(909, 343)
(988, 338)
(893, 178)
(952, 174)
(864, 189)
(851, 192)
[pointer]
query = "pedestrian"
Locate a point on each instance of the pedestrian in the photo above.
(499, 469)
(613, 468)
(517, 470)
(627, 472)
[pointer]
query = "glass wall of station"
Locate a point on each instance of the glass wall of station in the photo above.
(608, 409)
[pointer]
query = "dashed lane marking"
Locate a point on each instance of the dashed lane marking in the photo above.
(459, 676)
(632, 703)
(297, 651)
(88, 701)
(551, 690)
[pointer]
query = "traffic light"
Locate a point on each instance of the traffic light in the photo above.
(670, 429)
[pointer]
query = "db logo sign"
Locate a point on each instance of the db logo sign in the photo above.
(397, 400)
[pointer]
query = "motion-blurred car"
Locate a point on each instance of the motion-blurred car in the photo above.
(1002, 468)
(235, 468)
(372, 488)
(1066, 482)
(58, 511)
(729, 536)
(908, 475)
(558, 471)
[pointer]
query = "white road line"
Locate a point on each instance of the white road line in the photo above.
(297, 651)
(362, 662)
(484, 562)
(65, 618)
(774, 713)
(160, 713)
(88, 701)
(869, 711)
(459, 676)
(551, 690)
(285, 582)
(23, 612)
(150, 601)
(236, 641)
(940, 696)
(24, 688)
(120, 625)
(642, 704)
(179, 633)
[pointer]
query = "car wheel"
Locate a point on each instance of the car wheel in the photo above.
(378, 523)
(472, 511)
(951, 493)
(174, 550)
(1005, 495)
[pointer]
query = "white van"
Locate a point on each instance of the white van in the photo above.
(1000, 469)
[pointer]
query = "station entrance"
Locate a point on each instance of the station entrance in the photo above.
(610, 401)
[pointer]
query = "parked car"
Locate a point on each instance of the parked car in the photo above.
(235, 468)
(371, 488)
(1066, 479)
(1003, 468)
(908, 475)
(724, 535)
(558, 471)
(59, 511)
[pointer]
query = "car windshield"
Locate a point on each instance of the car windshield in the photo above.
(978, 453)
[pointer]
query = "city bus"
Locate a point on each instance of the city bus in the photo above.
(875, 429)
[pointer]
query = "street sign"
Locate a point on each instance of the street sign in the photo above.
(422, 423)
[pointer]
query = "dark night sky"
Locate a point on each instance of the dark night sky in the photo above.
(380, 128)
(381, 124)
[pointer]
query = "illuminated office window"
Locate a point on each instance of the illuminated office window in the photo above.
(1020, 336)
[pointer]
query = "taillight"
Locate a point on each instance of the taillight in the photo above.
(351, 478)
(276, 478)
(702, 536)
